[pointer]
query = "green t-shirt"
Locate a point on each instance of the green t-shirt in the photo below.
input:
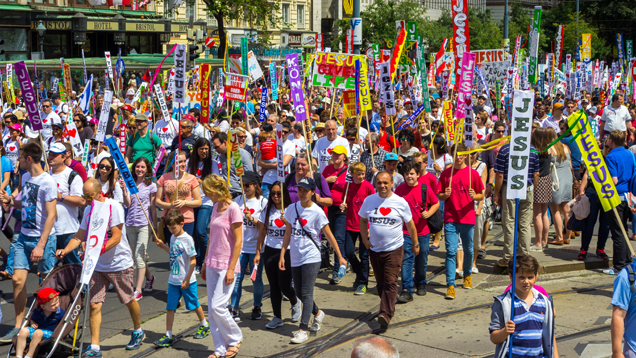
(144, 146)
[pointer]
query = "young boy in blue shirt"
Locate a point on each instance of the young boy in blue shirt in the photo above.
(532, 328)
(181, 282)
(624, 313)
(45, 318)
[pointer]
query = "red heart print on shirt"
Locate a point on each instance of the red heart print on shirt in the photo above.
(12, 148)
(279, 222)
(251, 211)
(45, 120)
(303, 221)
(385, 211)
(72, 132)
(479, 136)
(164, 129)
(94, 165)
(330, 150)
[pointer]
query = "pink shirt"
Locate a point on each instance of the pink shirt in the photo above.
(222, 238)
(459, 208)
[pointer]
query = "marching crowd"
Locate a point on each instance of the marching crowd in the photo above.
(363, 193)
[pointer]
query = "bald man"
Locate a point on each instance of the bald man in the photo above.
(115, 264)
(374, 347)
(324, 145)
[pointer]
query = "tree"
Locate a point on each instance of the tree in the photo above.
(610, 17)
(261, 14)
(600, 48)
(484, 33)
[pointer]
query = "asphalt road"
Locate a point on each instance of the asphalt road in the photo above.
(115, 316)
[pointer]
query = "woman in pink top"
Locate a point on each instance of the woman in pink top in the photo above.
(221, 263)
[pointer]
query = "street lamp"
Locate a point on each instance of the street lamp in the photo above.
(41, 29)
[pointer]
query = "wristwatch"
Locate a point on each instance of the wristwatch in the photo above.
(416, 246)
(63, 197)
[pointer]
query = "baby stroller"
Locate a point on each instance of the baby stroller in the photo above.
(65, 280)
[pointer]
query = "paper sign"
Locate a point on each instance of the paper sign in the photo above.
(104, 116)
(274, 83)
(280, 167)
(334, 70)
(237, 161)
(122, 165)
(28, 95)
(386, 89)
(109, 64)
(349, 103)
(162, 102)
(255, 71)
(263, 113)
(205, 93)
(179, 73)
(235, 87)
(365, 99)
(296, 85)
(76, 142)
(519, 160)
(95, 238)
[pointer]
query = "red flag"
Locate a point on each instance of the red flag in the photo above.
(126, 2)
(146, 77)
(440, 65)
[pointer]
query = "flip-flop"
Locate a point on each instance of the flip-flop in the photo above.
(233, 353)
(433, 248)
(482, 254)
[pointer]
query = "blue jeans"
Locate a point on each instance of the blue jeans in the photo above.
(361, 266)
(596, 211)
(266, 187)
(9, 265)
(257, 285)
(201, 227)
(420, 261)
(24, 245)
(452, 233)
(338, 226)
(73, 256)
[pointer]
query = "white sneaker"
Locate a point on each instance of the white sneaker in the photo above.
(300, 337)
(475, 270)
(460, 274)
(315, 327)
(110, 287)
(296, 311)
(275, 323)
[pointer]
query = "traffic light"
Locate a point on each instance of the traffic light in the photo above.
(1, 43)
(193, 49)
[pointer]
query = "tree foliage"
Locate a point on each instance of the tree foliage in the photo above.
(260, 14)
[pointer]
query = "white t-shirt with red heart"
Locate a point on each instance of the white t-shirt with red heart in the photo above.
(275, 228)
(301, 250)
(250, 230)
(12, 148)
(386, 217)
(166, 131)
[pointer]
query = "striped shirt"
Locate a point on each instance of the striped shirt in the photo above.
(527, 339)
(501, 164)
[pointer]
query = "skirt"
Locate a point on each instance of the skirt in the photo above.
(543, 190)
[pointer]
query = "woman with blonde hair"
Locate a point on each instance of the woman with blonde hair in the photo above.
(562, 187)
(542, 190)
(221, 265)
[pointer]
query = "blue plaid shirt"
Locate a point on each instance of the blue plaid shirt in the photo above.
(501, 164)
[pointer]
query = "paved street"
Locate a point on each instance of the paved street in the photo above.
(427, 327)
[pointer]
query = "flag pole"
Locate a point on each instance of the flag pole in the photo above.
(514, 273)
(366, 114)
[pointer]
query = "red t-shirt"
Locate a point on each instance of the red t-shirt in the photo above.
(385, 142)
(355, 198)
(459, 207)
(430, 180)
(338, 188)
(268, 149)
(413, 196)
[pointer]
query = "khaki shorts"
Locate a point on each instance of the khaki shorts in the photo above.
(121, 280)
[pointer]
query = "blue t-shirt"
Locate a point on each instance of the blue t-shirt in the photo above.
(625, 299)
(623, 159)
(47, 323)
(6, 167)
(574, 149)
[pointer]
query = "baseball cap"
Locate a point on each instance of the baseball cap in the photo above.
(339, 149)
(141, 118)
(130, 91)
(391, 156)
(557, 106)
(57, 148)
(189, 116)
(59, 125)
(593, 110)
(307, 183)
(126, 107)
(46, 294)
(320, 125)
(326, 100)
(251, 177)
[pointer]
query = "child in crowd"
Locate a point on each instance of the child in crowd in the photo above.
(181, 282)
(534, 312)
(45, 318)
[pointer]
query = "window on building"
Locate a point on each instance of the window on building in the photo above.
(191, 10)
(40, 1)
(285, 10)
(211, 20)
(300, 16)
(55, 45)
(141, 43)
(15, 44)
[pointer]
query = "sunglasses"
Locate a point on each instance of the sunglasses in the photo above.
(104, 166)
(43, 106)
(76, 120)
(276, 193)
(88, 197)
(285, 132)
(501, 131)
(187, 126)
(351, 139)
(242, 136)
(216, 147)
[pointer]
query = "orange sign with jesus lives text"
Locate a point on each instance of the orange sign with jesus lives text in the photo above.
(334, 70)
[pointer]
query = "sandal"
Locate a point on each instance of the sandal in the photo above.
(232, 351)
(213, 355)
(482, 254)
(556, 242)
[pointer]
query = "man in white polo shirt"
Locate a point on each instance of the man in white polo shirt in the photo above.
(382, 217)
(615, 116)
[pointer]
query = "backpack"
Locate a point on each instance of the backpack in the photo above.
(435, 222)
(631, 276)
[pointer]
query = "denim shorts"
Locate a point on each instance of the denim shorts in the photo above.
(190, 296)
(46, 333)
(24, 245)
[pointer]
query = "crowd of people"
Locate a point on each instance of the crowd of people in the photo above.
(359, 193)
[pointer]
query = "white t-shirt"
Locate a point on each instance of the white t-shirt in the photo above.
(181, 250)
(201, 131)
(118, 194)
(167, 131)
(301, 249)
(322, 153)
(298, 143)
(47, 124)
(12, 148)
(250, 231)
(386, 219)
(442, 161)
(119, 258)
(67, 216)
(36, 192)
(275, 228)
(289, 148)
(615, 118)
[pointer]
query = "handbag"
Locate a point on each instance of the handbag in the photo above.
(435, 222)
